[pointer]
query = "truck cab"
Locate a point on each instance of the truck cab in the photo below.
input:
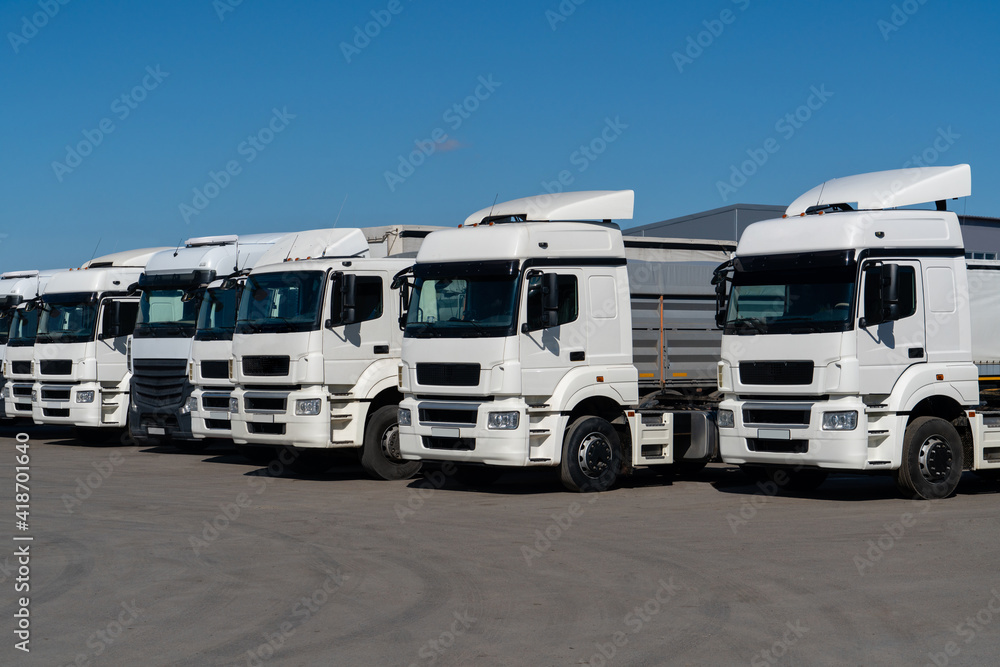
(86, 320)
(172, 288)
(848, 339)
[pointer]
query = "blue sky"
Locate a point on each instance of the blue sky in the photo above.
(300, 115)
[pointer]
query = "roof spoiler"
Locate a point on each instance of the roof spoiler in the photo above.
(889, 189)
(584, 205)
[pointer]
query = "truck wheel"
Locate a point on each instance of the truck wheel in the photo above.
(932, 459)
(380, 455)
(592, 455)
(795, 480)
(256, 454)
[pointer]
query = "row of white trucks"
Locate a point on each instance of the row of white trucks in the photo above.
(850, 335)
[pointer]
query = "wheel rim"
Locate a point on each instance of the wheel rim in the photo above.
(935, 459)
(390, 444)
(595, 455)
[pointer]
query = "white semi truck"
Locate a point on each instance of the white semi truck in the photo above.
(852, 337)
(536, 338)
(316, 350)
(172, 288)
(19, 292)
(86, 319)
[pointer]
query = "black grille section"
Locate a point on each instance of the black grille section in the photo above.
(776, 372)
(55, 366)
(55, 412)
(20, 367)
(21, 390)
(448, 416)
(778, 446)
(217, 424)
(266, 429)
(217, 370)
(265, 366)
(448, 375)
(22, 407)
(215, 403)
(159, 383)
(264, 403)
(55, 394)
(768, 416)
(454, 444)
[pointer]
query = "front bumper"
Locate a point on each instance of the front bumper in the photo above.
(268, 418)
(19, 403)
(439, 431)
(211, 418)
(165, 423)
(56, 403)
(789, 443)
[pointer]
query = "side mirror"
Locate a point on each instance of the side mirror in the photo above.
(719, 279)
(132, 289)
(348, 295)
(550, 300)
(890, 293)
(881, 295)
(111, 322)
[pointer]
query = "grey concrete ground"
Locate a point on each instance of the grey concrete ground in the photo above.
(151, 557)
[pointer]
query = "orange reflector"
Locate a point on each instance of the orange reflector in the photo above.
(940, 376)
(972, 413)
(680, 375)
(631, 414)
(647, 375)
(600, 378)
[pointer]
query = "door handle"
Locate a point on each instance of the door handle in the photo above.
(381, 349)
(916, 352)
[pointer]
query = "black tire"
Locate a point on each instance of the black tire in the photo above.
(591, 456)
(307, 461)
(932, 459)
(477, 477)
(257, 454)
(795, 480)
(380, 453)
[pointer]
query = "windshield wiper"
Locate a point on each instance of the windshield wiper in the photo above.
(478, 330)
(756, 323)
(426, 330)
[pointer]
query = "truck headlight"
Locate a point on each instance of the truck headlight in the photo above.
(305, 407)
(726, 418)
(190, 405)
(85, 396)
(403, 417)
(503, 421)
(234, 405)
(840, 421)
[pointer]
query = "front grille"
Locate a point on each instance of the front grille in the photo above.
(266, 429)
(159, 383)
(20, 367)
(448, 375)
(215, 369)
(55, 412)
(454, 444)
(217, 424)
(55, 394)
(778, 446)
(264, 403)
(776, 372)
(21, 390)
(22, 407)
(448, 416)
(766, 416)
(215, 403)
(267, 366)
(55, 367)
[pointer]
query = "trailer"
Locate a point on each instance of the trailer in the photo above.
(537, 335)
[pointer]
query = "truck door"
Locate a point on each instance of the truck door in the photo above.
(349, 348)
(547, 353)
(115, 324)
(885, 350)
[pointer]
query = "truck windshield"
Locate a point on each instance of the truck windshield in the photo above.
(167, 313)
(791, 301)
(217, 316)
(67, 318)
(462, 307)
(5, 323)
(281, 302)
(23, 327)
